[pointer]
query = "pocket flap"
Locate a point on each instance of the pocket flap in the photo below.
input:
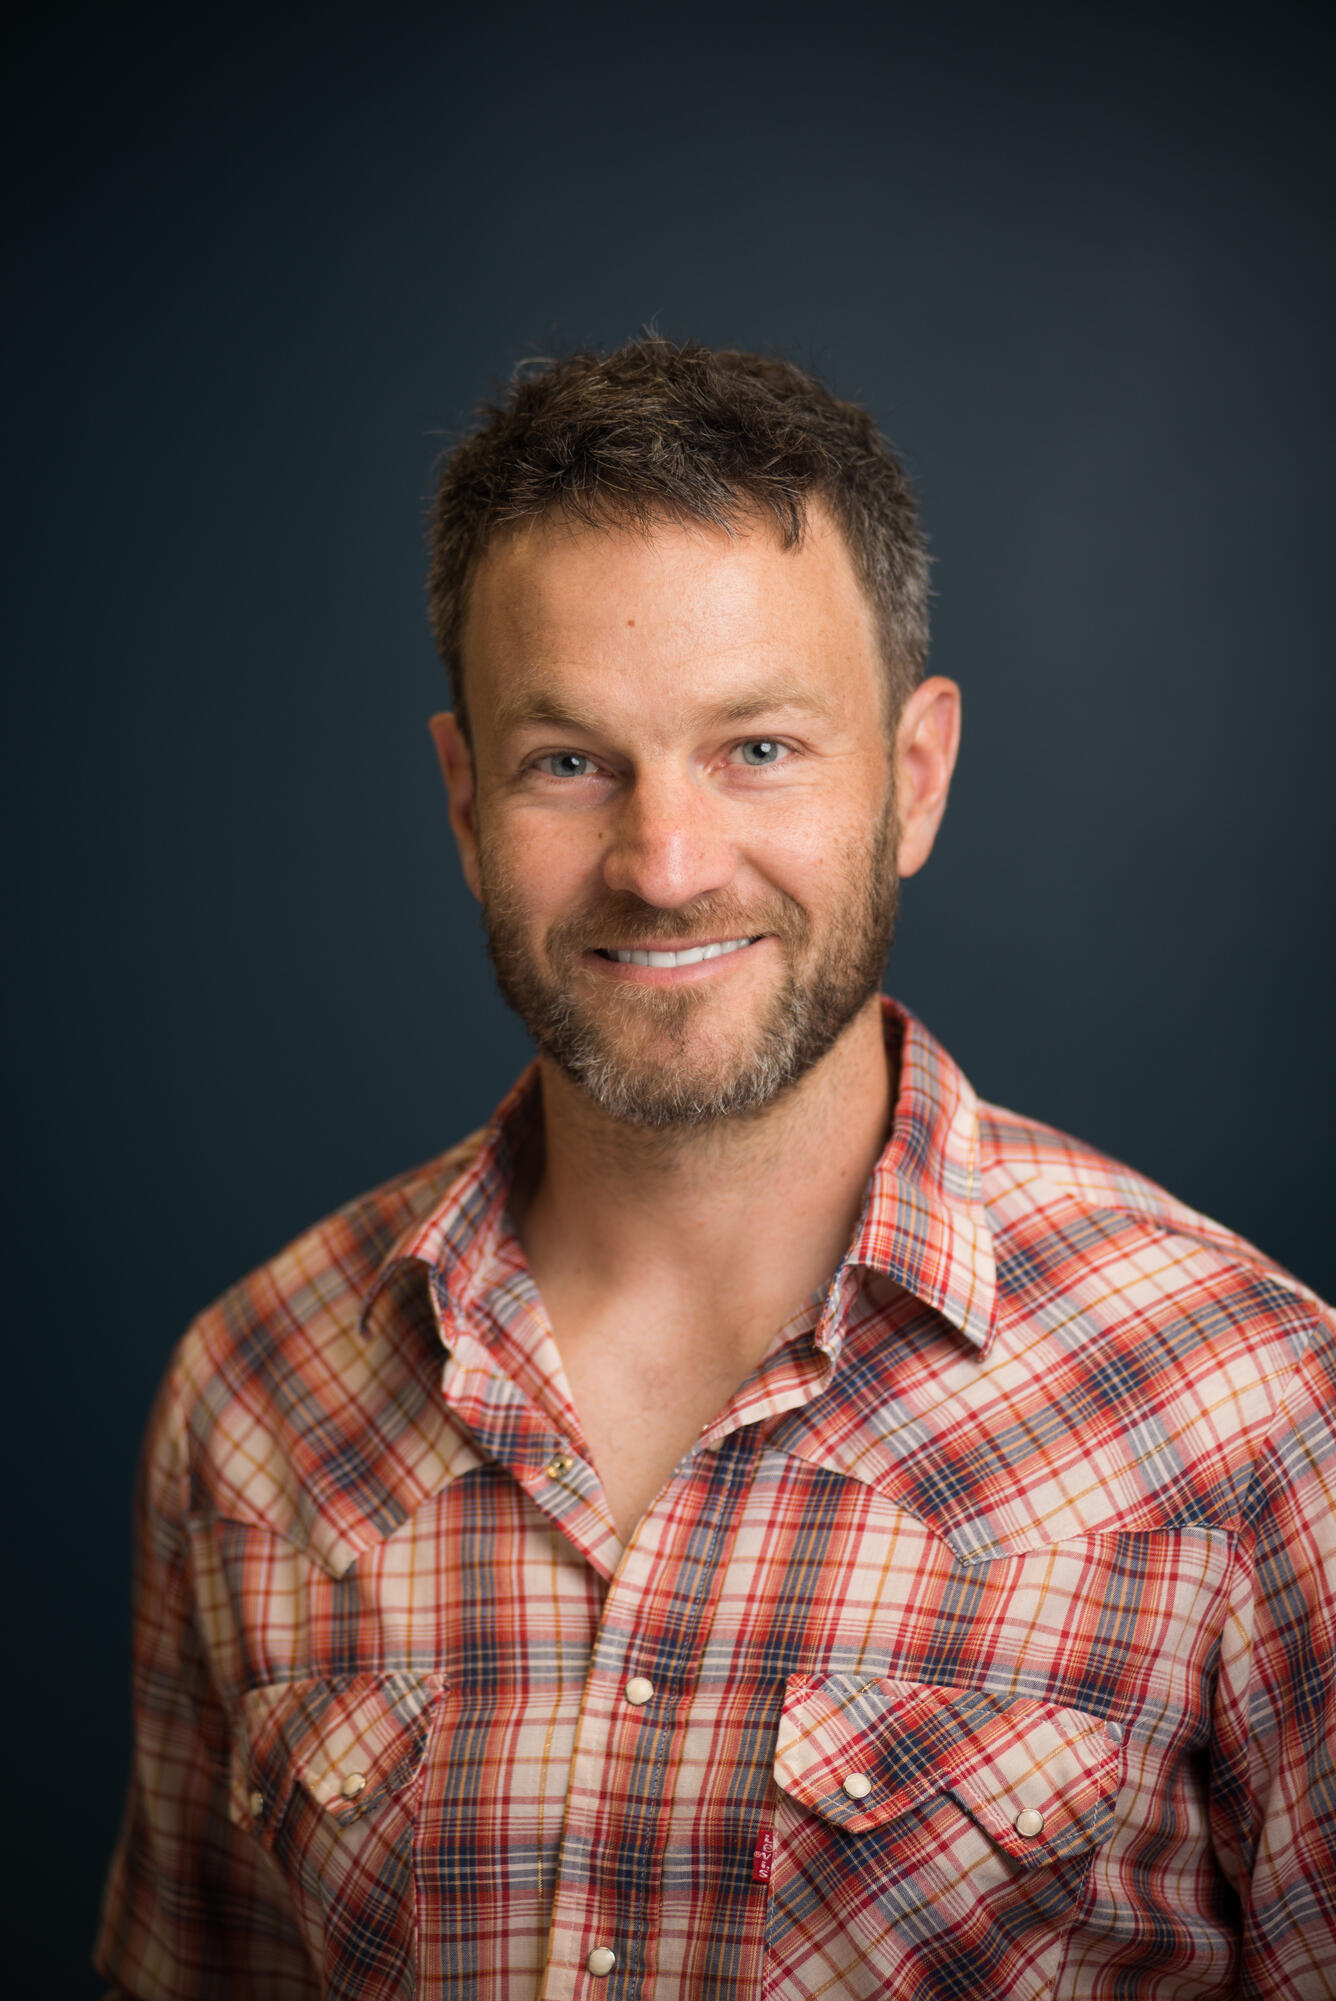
(350, 1742)
(1040, 1779)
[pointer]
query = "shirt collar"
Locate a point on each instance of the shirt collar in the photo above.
(923, 1224)
(455, 1237)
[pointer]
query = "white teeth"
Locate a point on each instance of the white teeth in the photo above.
(691, 957)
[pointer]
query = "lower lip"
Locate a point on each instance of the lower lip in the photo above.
(675, 976)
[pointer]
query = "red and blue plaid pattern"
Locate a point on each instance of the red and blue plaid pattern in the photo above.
(989, 1629)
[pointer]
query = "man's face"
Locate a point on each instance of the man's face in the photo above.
(680, 749)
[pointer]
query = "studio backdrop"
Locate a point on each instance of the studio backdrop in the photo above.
(268, 266)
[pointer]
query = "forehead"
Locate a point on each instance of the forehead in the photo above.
(667, 618)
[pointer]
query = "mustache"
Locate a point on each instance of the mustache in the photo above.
(619, 921)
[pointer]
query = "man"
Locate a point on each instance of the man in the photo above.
(756, 1520)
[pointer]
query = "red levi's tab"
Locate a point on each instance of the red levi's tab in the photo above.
(763, 1857)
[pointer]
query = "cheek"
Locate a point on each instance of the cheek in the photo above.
(812, 855)
(546, 860)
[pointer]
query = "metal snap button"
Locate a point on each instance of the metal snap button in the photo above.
(1029, 1822)
(857, 1785)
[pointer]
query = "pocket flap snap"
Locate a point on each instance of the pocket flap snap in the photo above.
(349, 1742)
(1040, 1779)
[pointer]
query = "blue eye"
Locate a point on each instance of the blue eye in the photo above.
(760, 750)
(566, 764)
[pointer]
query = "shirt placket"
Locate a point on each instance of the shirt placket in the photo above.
(645, 1654)
(517, 1434)
(655, 1625)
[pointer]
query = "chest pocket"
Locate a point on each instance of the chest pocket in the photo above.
(921, 1828)
(325, 1777)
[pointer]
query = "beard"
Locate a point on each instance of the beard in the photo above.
(666, 1059)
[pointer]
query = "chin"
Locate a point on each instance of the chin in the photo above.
(676, 1083)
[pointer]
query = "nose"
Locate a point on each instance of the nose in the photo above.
(669, 844)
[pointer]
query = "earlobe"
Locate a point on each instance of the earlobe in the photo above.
(456, 762)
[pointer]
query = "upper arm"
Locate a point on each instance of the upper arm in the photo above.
(192, 1907)
(1274, 1764)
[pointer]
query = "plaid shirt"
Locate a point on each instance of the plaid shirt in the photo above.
(982, 1645)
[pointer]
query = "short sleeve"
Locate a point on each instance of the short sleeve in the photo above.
(192, 1909)
(1274, 1756)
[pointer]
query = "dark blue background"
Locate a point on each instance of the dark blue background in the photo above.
(1074, 261)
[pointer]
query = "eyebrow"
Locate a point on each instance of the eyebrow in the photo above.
(782, 697)
(529, 709)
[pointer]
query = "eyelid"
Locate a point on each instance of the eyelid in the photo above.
(537, 759)
(540, 757)
(764, 736)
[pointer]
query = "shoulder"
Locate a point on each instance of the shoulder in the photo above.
(1077, 1229)
(1176, 1364)
(281, 1398)
(315, 1281)
(1027, 1166)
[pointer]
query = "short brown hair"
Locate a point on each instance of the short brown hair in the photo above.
(657, 429)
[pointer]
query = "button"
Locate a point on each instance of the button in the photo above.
(561, 1464)
(256, 1805)
(354, 1784)
(1114, 1732)
(601, 1961)
(638, 1690)
(1029, 1822)
(858, 1785)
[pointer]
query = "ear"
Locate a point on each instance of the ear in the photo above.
(927, 739)
(456, 762)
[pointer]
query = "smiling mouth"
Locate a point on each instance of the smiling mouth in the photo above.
(690, 955)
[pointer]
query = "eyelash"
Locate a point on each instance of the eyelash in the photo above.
(742, 742)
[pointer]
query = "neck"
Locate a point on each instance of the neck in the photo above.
(763, 1204)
